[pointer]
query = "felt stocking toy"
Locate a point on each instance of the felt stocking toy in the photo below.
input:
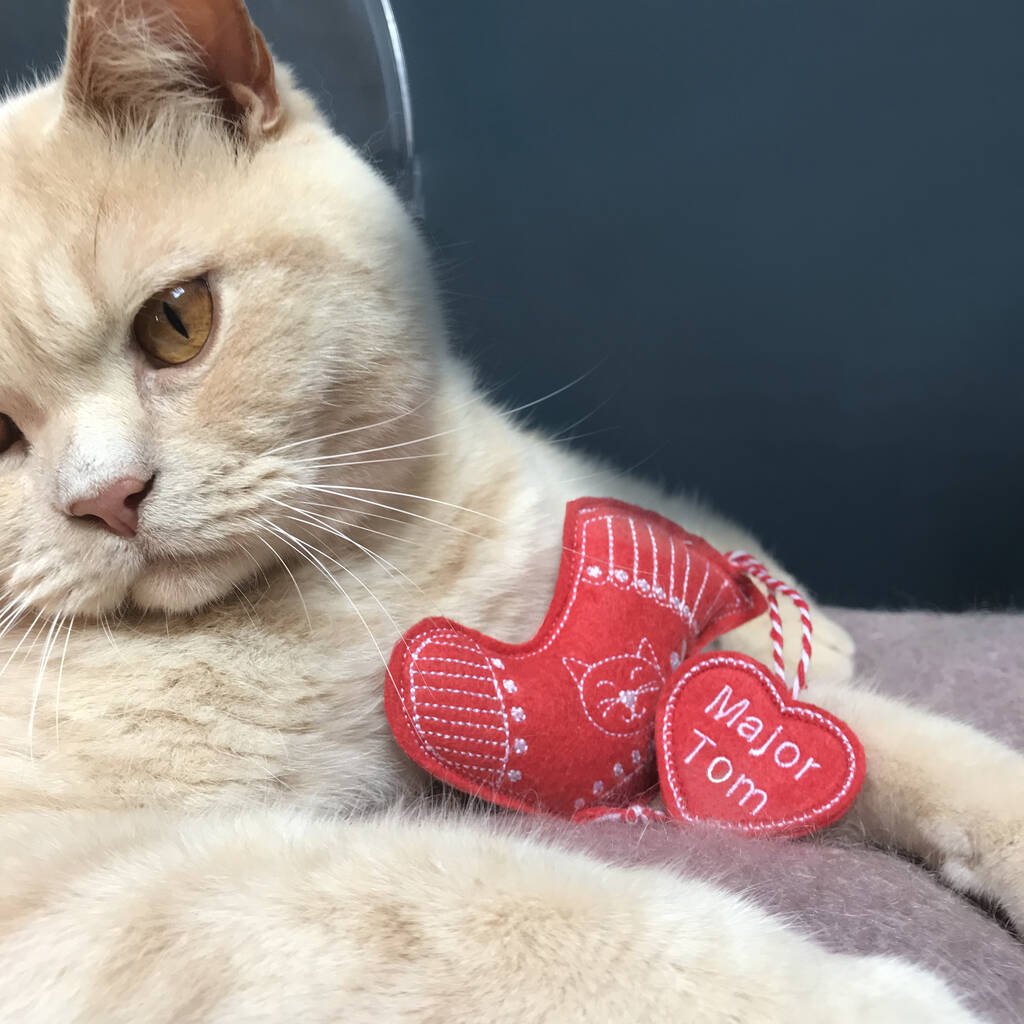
(580, 720)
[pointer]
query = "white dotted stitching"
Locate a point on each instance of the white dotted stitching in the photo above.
(457, 761)
(454, 707)
(469, 753)
(469, 725)
(445, 674)
(450, 661)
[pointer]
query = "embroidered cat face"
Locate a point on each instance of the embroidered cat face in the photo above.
(199, 278)
(619, 693)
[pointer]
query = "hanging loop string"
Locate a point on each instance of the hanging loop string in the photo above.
(752, 567)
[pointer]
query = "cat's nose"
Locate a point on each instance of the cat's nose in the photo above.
(117, 505)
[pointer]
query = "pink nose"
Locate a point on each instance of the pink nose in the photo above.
(117, 505)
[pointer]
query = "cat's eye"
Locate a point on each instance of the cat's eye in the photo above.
(9, 433)
(175, 324)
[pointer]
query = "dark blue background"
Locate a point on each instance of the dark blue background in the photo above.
(785, 237)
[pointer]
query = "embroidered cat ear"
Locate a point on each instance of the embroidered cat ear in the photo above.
(132, 61)
(646, 652)
(577, 669)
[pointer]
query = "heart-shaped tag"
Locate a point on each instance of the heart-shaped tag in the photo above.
(734, 748)
(566, 721)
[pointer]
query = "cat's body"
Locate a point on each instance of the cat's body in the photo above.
(198, 706)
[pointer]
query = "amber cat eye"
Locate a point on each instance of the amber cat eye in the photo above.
(175, 324)
(9, 433)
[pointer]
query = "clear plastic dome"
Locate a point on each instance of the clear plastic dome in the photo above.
(349, 54)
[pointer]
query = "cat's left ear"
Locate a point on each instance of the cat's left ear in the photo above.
(130, 57)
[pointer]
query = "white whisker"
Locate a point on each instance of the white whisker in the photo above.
(109, 634)
(444, 433)
(51, 639)
(358, 512)
(389, 567)
(291, 576)
(345, 490)
(60, 680)
(393, 508)
(307, 506)
(334, 463)
(301, 547)
(351, 430)
(24, 637)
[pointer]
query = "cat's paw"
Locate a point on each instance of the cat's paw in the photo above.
(987, 858)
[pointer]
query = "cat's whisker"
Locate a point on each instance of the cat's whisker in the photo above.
(334, 463)
(105, 626)
(560, 436)
(60, 680)
(482, 395)
(389, 567)
(51, 639)
(380, 448)
(20, 643)
(255, 561)
(444, 433)
(310, 517)
(616, 476)
(301, 548)
(346, 489)
(308, 506)
(247, 606)
(393, 508)
(382, 561)
(572, 438)
(308, 547)
(350, 430)
(357, 512)
(10, 615)
(284, 565)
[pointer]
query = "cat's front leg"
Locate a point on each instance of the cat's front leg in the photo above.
(270, 918)
(938, 789)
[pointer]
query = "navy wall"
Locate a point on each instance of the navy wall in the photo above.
(788, 235)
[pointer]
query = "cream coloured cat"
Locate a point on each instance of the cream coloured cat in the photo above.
(224, 376)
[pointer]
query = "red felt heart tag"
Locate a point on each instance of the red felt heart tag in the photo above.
(734, 748)
(566, 721)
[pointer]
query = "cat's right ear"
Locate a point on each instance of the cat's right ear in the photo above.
(135, 61)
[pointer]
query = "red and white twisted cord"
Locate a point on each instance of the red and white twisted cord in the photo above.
(752, 567)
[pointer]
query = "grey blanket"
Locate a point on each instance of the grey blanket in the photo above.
(856, 898)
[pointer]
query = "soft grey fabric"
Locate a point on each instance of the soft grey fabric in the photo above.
(857, 898)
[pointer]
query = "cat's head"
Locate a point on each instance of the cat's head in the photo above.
(198, 277)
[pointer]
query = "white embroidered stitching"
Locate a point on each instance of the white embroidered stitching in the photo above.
(666, 739)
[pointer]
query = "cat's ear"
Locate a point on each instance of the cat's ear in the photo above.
(132, 60)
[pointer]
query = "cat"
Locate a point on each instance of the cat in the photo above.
(224, 380)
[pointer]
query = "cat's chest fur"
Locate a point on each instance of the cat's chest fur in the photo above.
(275, 696)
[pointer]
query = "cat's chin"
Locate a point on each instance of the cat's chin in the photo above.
(181, 587)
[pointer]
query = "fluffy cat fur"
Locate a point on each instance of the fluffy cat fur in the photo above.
(194, 760)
